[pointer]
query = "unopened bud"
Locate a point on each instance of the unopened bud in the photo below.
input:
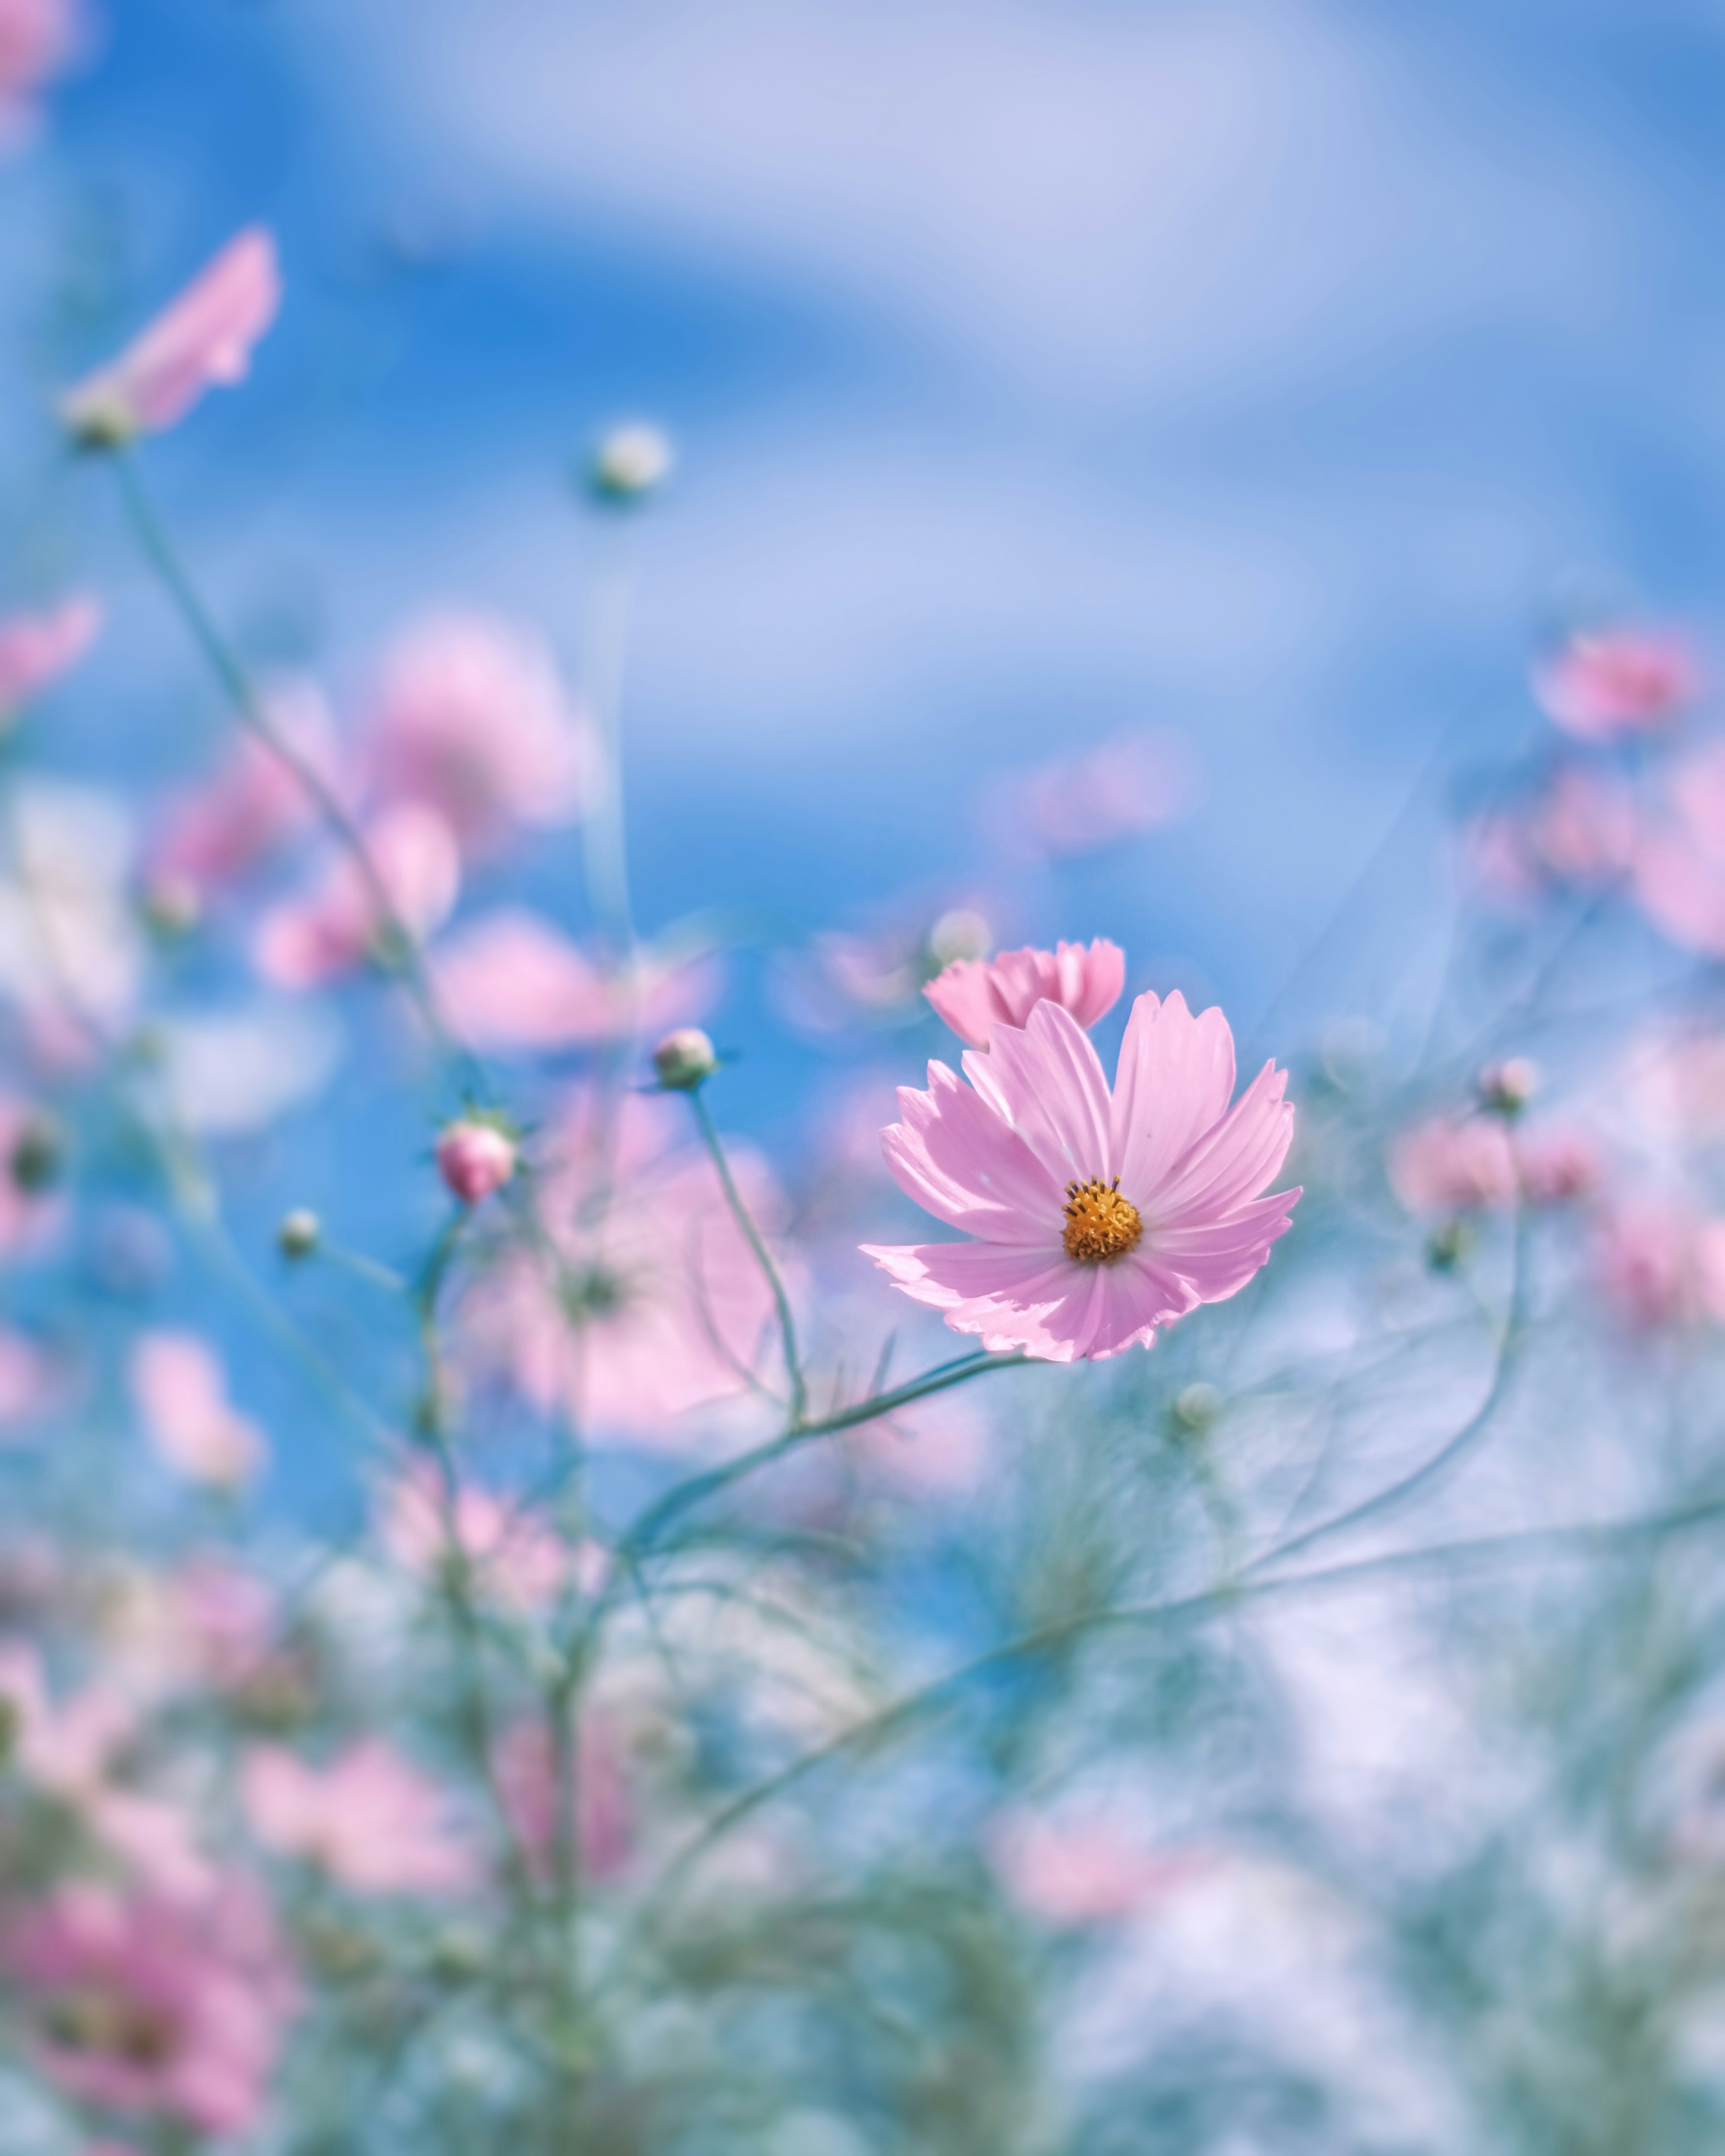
(961, 933)
(1447, 1246)
(1507, 1087)
(475, 1159)
(629, 463)
(38, 1153)
(300, 1233)
(684, 1058)
(1194, 1408)
(172, 907)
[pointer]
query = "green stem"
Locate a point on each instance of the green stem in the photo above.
(763, 1257)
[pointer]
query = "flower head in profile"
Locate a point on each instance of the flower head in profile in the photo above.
(1603, 686)
(1094, 1218)
(202, 340)
(975, 995)
(36, 648)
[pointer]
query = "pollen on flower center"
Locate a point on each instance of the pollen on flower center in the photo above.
(1101, 1225)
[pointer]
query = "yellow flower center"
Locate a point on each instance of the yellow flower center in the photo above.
(1101, 1225)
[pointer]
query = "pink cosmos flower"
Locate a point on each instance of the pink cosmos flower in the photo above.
(475, 1159)
(36, 648)
(308, 941)
(511, 981)
(182, 1394)
(1133, 782)
(213, 835)
(633, 1318)
(1680, 864)
(525, 1771)
(1095, 1218)
(1661, 1264)
(38, 40)
(1623, 681)
(975, 995)
(203, 339)
(370, 1821)
(513, 1557)
(1556, 1166)
(470, 718)
(1581, 829)
(1080, 1872)
(135, 2003)
(1454, 1165)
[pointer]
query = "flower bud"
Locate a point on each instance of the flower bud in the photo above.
(629, 463)
(300, 1233)
(684, 1058)
(1194, 1408)
(959, 933)
(38, 1153)
(1507, 1087)
(1446, 1247)
(172, 907)
(475, 1158)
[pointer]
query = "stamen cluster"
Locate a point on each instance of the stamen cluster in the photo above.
(1101, 1225)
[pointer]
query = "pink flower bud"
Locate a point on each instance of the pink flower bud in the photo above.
(1507, 1086)
(684, 1059)
(475, 1159)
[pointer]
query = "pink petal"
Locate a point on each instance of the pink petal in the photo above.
(1047, 1083)
(1233, 1162)
(1217, 1257)
(953, 1154)
(1174, 1082)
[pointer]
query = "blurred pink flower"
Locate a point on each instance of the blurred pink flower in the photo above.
(1079, 1872)
(1096, 1219)
(510, 980)
(135, 2003)
(1679, 865)
(1452, 1165)
(213, 834)
(181, 1392)
(1581, 829)
(308, 941)
(975, 995)
(38, 40)
(228, 1620)
(1661, 1263)
(475, 1159)
(633, 1318)
(32, 1382)
(470, 718)
(1603, 686)
(525, 1771)
(36, 648)
(372, 1822)
(514, 1557)
(202, 339)
(1133, 782)
(1556, 1166)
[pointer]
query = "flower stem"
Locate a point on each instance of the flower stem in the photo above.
(764, 1258)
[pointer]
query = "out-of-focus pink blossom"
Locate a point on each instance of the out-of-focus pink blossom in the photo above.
(139, 2004)
(32, 1382)
(634, 1318)
(511, 981)
(512, 1557)
(475, 1159)
(1454, 1165)
(1095, 1219)
(371, 1821)
(1680, 863)
(213, 835)
(38, 40)
(181, 1391)
(228, 1619)
(1661, 1263)
(470, 718)
(36, 648)
(308, 941)
(975, 995)
(1080, 1872)
(1556, 1166)
(1604, 686)
(525, 1771)
(1580, 830)
(1136, 782)
(202, 340)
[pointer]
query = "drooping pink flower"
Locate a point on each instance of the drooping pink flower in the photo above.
(181, 1391)
(525, 1771)
(632, 1318)
(511, 1555)
(1136, 782)
(975, 995)
(202, 340)
(1451, 1164)
(306, 942)
(475, 1159)
(1087, 1871)
(511, 981)
(136, 2003)
(1603, 686)
(369, 1819)
(36, 648)
(213, 834)
(470, 718)
(1661, 1263)
(1094, 1219)
(38, 40)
